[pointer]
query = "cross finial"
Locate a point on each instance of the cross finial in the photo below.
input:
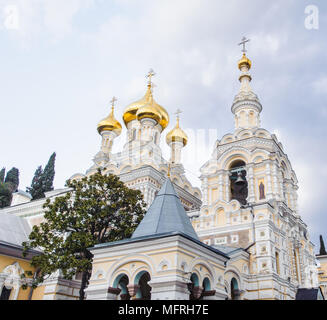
(112, 101)
(150, 74)
(178, 112)
(243, 42)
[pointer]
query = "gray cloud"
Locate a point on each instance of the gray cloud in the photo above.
(69, 58)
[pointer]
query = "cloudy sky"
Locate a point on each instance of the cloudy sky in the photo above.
(63, 60)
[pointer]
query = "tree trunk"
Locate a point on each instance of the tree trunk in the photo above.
(85, 281)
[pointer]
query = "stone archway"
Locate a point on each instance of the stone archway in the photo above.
(194, 287)
(119, 290)
(235, 291)
(141, 289)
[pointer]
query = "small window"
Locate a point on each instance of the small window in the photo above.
(234, 238)
(222, 240)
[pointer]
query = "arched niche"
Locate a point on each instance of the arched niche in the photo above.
(235, 290)
(120, 283)
(194, 287)
(144, 290)
(238, 182)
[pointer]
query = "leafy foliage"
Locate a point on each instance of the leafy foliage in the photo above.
(97, 209)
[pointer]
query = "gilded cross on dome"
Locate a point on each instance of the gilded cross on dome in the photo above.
(112, 101)
(243, 42)
(150, 74)
(178, 112)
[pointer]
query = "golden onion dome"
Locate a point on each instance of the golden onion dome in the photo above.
(149, 110)
(177, 134)
(132, 109)
(110, 124)
(245, 61)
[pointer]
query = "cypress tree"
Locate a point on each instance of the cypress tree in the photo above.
(49, 173)
(322, 247)
(2, 174)
(36, 189)
(5, 195)
(12, 179)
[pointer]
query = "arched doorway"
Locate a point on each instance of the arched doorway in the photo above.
(235, 292)
(120, 284)
(207, 293)
(238, 183)
(194, 287)
(144, 290)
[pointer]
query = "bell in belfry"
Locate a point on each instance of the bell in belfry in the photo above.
(240, 179)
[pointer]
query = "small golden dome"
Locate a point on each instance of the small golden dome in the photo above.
(245, 61)
(177, 134)
(132, 109)
(110, 124)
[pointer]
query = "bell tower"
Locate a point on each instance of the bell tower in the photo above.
(250, 200)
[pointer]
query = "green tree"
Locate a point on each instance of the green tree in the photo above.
(49, 173)
(2, 175)
(12, 179)
(5, 195)
(36, 189)
(97, 209)
(8, 186)
(322, 247)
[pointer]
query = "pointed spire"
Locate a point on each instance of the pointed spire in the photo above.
(165, 215)
(246, 106)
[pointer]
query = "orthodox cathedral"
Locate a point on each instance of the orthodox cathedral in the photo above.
(239, 237)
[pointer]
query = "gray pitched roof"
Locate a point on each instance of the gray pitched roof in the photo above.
(166, 214)
(13, 229)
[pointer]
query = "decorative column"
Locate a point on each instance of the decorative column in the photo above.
(113, 293)
(281, 187)
(132, 290)
(174, 287)
(196, 292)
(227, 183)
(205, 191)
(220, 186)
(251, 197)
(275, 183)
(269, 187)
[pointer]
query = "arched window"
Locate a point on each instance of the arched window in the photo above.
(238, 183)
(144, 291)
(120, 287)
(194, 288)
(235, 292)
